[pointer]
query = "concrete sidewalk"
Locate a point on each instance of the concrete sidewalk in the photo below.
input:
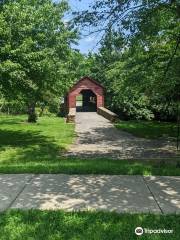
(81, 192)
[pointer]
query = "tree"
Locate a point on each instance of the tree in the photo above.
(122, 15)
(35, 50)
(139, 56)
(149, 23)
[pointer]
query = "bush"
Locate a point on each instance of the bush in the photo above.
(42, 111)
(13, 107)
(135, 107)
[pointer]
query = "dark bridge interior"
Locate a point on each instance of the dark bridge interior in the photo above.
(86, 101)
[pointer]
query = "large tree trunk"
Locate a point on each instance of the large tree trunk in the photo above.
(32, 117)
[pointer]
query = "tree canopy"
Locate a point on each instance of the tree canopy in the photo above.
(35, 49)
(138, 58)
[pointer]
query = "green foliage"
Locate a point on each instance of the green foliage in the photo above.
(43, 111)
(139, 57)
(35, 50)
(138, 60)
(13, 106)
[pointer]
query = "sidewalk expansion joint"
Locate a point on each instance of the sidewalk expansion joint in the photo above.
(21, 190)
(152, 195)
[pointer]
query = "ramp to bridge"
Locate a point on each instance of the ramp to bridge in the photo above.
(98, 137)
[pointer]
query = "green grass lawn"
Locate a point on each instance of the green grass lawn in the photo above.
(56, 225)
(94, 166)
(37, 148)
(148, 129)
(22, 142)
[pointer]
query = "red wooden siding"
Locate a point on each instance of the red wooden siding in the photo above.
(86, 83)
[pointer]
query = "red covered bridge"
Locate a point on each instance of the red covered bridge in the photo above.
(86, 95)
(90, 90)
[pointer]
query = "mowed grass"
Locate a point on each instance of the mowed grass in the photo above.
(22, 142)
(56, 225)
(95, 166)
(38, 148)
(149, 129)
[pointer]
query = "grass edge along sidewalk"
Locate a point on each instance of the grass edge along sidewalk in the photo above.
(97, 166)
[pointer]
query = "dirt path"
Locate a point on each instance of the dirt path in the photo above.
(97, 137)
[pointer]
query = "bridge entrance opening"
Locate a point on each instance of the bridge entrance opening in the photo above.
(86, 101)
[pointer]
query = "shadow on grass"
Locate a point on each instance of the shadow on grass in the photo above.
(7, 120)
(28, 146)
(83, 225)
(149, 129)
(93, 166)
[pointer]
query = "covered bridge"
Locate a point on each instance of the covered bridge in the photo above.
(86, 95)
(90, 91)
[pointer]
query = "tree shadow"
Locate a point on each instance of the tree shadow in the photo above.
(7, 121)
(74, 192)
(113, 143)
(82, 225)
(166, 190)
(28, 146)
(149, 129)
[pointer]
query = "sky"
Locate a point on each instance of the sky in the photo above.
(87, 43)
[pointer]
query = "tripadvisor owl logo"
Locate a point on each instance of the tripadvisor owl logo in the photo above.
(139, 231)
